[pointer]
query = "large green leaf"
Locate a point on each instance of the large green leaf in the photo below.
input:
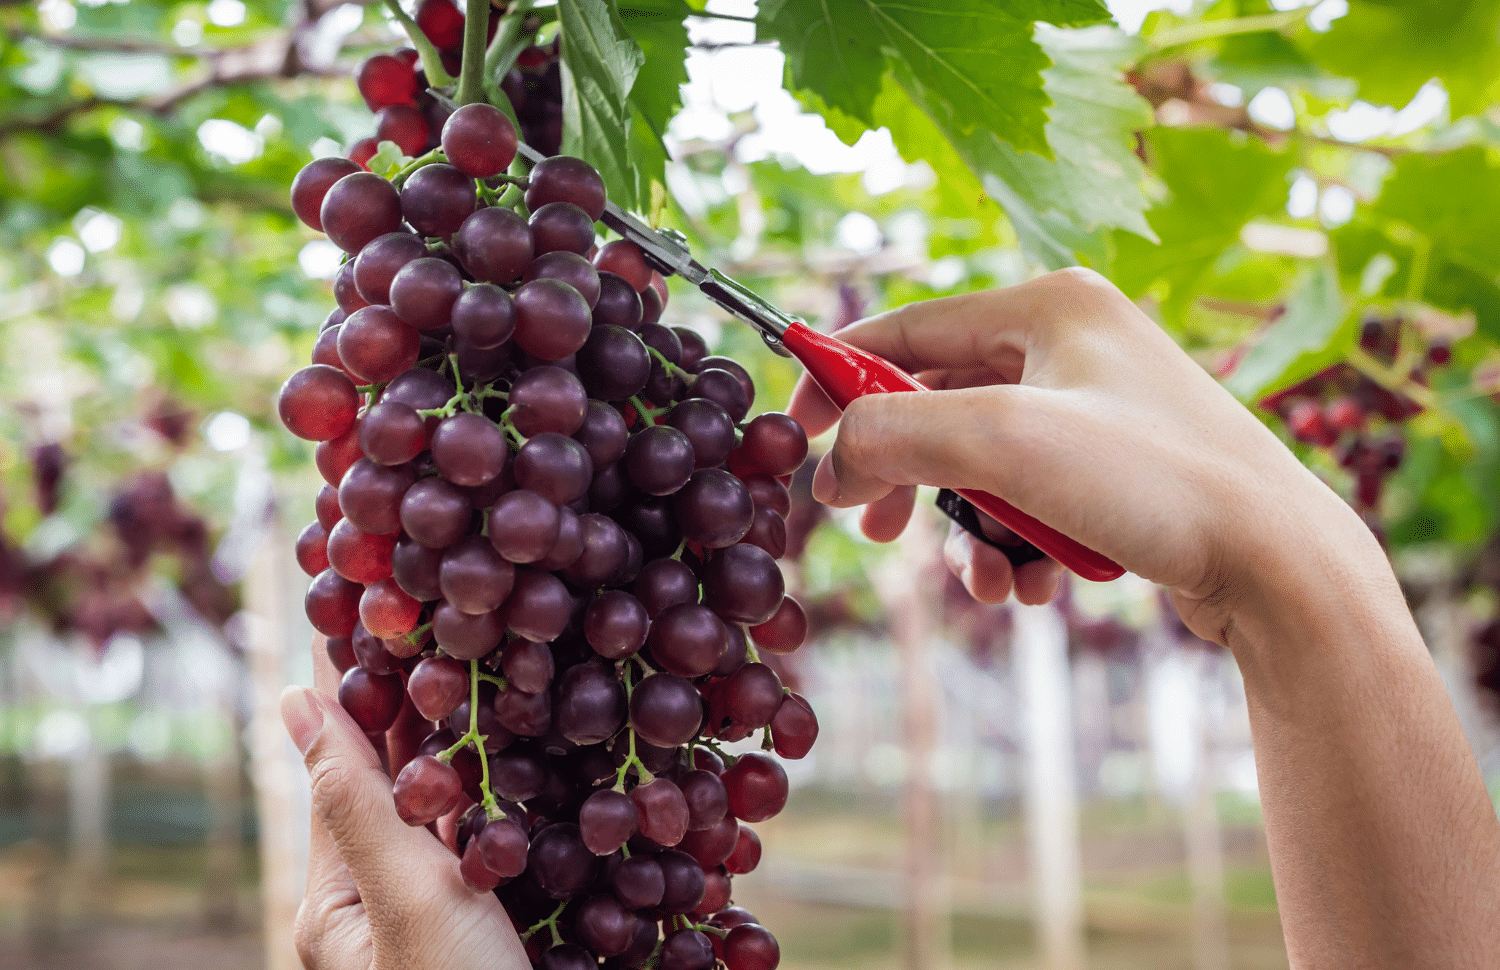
(658, 28)
(1393, 48)
(1452, 199)
(599, 65)
(977, 59)
(1218, 182)
(1302, 340)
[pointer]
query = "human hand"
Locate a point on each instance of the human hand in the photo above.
(381, 895)
(1063, 398)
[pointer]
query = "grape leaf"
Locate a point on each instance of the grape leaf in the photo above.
(1450, 198)
(1202, 218)
(1392, 49)
(658, 28)
(1302, 341)
(600, 62)
(841, 48)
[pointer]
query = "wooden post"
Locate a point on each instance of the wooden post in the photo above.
(927, 915)
(1040, 654)
(272, 766)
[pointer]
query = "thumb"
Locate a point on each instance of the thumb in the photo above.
(965, 438)
(351, 794)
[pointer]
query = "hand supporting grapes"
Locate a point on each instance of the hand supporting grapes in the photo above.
(381, 895)
(1063, 398)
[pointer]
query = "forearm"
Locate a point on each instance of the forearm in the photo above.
(1384, 846)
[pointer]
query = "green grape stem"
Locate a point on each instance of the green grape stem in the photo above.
(476, 32)
(432, 61)
(472, 736)
(550, 922)
(670, 367)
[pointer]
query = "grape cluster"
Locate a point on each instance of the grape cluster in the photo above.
(395, 88)
(1357, 419)
(549, 524)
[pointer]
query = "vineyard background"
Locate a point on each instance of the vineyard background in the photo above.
(1264, 178)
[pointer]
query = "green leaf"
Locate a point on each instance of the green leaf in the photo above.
(1218, 181)
(1301, 342)
(658, 28)
(841, 48)
(387, 160)
(599, 65)
(1452, 199)
(1393, 48)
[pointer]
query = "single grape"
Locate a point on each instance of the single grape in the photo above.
(437, 685)
(757, 787)
(604, 551)
(539, 606)
(494, 245)
(547, 399)
(359, 556)
(335, 457)
(528, 715)
(403, 124)
(694, 349)
(708, 427)
(721, 387)
(770, 493)
(734, 916)
(376, 345)
(518, 773)
(384, 80)
(552, 319)
(426, 790)
(706, 799)
(615, 625)
(504, 849)
(483, 316)
(664, 815)
(387, 610)
(684, 879)
(327, 506)
(794, 729)
(561, 227)
(735, 368)
(711, 846)
(415, 569)
(313, 183)
(523, 526)
(373, 700)
(555, 467)
(345, 293)
(624, 258)
(477, 366)
(560, 863)
(714, 509)
(362, 151)
(687, 640)
(652, 304)
(371, 494)
(332, 604)
(528, 666)
(476, 874)
(442, 22)
(424, 291)
(473, 577)
(638, 882)
(479, 140)
(466, 636)
(665, 710)
(751, 695)
(768, 531)
(380, 260)
(359, 207)
(422, 390)
(567, 956)
(663, 583)
(743, 583)
(651, 521)
(312, 548)
(341, 653)
(590, 704)
(569, 545)
(686, 950)
(739, 649)
(785, 631)
(607, 819)
(618, 305)
(614, 364)
(603, 434)
(436, 200)
(609, 490)
(774, 444)
(392, 433)
(751, 947)
(435, 513)
(659, 460)
(326, 348)
(318, 403)
(563, 178)
(469, 450)
(570, 268)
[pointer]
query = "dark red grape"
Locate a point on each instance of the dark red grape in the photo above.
(473, 577)
(424, 291)
(335, 457)
(743, 583)
(555, 467)
(415, 569)
(392, 433)
(371, 494)
(384, 80)
(785, 631)
(623, 258)
(504, 849)
(358, 208)
(604, 551)
(344, 290)
(518, 773)
(618, 305)
(421, 389)
(561, 227)
(590, 704)
(768, 531)
(687, 640)
(442, 22)
(479, 140)
(466, 636)
(435, 513)
(358, 556)
(560, 863)
(313, 183)
(757, 787)
(751, 695)
(528, 666)
(706, 798)
(483, 316)
(563, 178)
(567, 956)
(341, 653)
(615, 625)
(387, 610)
(652, 303)
(663, 583)
(684, 881)
(708, 427)
(638, 882)
(739, 649)
(552, 319)
(547, 399)
(469, 450)
(376, 345)
(426, 790)
(382, 258)
(713, 509)
(528, 715)
(436, 200)
(523, 526)
(659, 460)
(403, 124)
(711, 846)
(694, 349)
(539, 606)
(686, 950)
(326, 348)
(437, 685)
(603, 434)
(774, 444)
(751, 947)
(327, 506)
(664, 815)
(651, 521)
(569, 545)
(721, 387)
(494, 245)
(614, 364)
(607, 819)
(312, 548)
(794, 728)
(476, 873)
(332, 604)
(362, 151)
(665, 710)
(769, 492)
(373, 700)
(568, 267)
(318, 403)
(477, 366)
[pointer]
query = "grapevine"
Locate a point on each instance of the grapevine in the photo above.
(550, 522)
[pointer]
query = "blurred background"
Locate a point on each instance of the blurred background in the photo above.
(1061, 786)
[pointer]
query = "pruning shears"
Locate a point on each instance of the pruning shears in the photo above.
(845, 373)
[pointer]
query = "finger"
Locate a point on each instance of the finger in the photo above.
(351, 795)
(1036, 582)
(813, 409)
(951, 378)
(885, 519)
(990, 327)
(983, 569)
(326, 872)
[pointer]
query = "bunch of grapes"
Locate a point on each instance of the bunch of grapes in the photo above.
(395, 88)
(1356, 419)
(549, 526)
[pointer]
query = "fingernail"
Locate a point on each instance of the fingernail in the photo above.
(825, 485)
(302, 716)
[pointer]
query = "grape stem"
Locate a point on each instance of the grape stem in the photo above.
(506, 45)
(766, 744)
(472, 736)
(729, 759)
(646, 414)
(509, 427)
(667, 365)
(631, 759)
(414, 637)
(405, 171)
(750, 650)
(718, 931)
(432, 61)
(476, 33)
(499, 682)
(550, 922)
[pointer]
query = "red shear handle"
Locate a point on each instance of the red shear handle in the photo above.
(846, 373)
